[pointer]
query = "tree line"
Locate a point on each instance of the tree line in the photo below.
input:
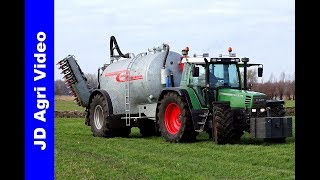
(60, 88)
(281, 88)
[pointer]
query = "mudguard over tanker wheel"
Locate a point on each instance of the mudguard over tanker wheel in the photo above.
(175, 119)
(224, 127)
(99, 119)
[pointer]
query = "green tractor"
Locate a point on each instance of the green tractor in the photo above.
(211, 98)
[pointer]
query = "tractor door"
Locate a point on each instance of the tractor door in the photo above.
(197, 82)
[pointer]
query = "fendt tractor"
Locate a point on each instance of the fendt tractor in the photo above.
(176, 96)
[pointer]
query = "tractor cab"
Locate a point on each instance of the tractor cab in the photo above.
(207, 76)
(218, 97)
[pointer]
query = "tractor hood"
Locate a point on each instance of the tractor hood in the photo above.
(242, 98)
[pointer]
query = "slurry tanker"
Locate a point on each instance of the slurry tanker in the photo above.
(176, 96)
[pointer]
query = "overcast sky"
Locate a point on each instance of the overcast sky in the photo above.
(261, 30)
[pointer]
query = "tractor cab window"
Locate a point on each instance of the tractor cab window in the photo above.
(223, 75)
(200, 80)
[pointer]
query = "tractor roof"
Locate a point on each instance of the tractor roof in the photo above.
(201, 60)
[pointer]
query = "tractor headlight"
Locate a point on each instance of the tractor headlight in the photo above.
(253, 110)
(262, 110)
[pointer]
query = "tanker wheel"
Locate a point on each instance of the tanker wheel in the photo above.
(99, 119)
(277, 111)
(224, 126)
(175, 119)
(147, 127)
(98, 116)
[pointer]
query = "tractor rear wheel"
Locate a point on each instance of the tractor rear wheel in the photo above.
(175, 120)
(224, 127)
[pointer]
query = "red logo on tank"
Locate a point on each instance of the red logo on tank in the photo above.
(122, 76)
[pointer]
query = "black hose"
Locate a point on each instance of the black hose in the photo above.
(165, 57)
(113, 41)
(172, 81)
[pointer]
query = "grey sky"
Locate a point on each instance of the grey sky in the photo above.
(261, 30)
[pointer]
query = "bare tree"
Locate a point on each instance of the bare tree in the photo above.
(60, 88)
(291, 86)
(288, 91)
(92, 80)
(252, 76)
(293, 89)
(280, 85)
(271, 87)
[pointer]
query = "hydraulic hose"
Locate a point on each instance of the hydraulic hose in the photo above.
(167, 53)
(113, 41)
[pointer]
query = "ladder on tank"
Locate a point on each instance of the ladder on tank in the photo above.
(127, 90)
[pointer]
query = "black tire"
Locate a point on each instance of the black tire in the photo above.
(99, 119)
(185, 131)
(225, 129)
(277, 111)
(147, 127)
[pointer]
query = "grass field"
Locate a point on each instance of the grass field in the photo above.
(290, 103)
(79, 155)
(66, 103)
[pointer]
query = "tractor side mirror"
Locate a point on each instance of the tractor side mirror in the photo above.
(260, 71)
(195, 71)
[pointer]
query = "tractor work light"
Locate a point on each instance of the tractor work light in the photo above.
(245, 59)
(253, 110)
(185, 51)
(205, 55)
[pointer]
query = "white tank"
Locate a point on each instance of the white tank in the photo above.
(145, 79)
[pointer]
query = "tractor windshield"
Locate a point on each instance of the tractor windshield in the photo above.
(225, 75)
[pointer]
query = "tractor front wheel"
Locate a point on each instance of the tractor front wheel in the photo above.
(224, 127)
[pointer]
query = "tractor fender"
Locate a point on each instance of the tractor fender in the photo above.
(181, 92)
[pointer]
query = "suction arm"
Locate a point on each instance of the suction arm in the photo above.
(114, 45)
(165, 57)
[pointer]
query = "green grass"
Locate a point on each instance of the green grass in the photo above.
(79, 155)
(67, 105)
(290, 103)
(63, 105)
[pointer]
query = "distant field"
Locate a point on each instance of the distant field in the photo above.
(79, 155)
(290, 103)
(66, 103)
